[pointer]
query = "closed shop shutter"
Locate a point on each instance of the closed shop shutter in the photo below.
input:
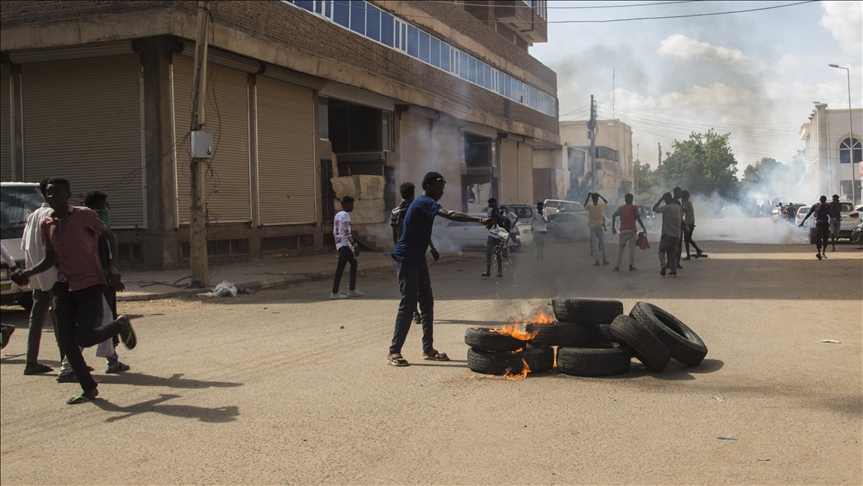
(508, 172)
(525, 174)
(5, 127)
(227, 182)
(82, 121)
(286, 152)
(415, 149)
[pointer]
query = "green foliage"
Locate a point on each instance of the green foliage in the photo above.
(704, 164)
(646, 182)
(762, 172)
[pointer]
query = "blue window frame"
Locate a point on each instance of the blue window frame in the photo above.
(387, 29)
(358, 16)
(373, 23)
(434, 52)
(413, 41)
(342, 13)
(424, 47)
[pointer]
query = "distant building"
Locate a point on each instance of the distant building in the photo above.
(308, 101)
(612, 173)
(830, 147)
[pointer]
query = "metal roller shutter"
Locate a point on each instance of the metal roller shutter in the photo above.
(525, 174)
(82, 121)
(286, 152)
(228, 182)
(5, 126)
(415, 149)
(508, 172)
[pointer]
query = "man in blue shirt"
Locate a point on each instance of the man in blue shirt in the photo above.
(412, 269)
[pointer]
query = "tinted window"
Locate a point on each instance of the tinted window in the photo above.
(424, 47)
(387, 29)
(434, 52)
(373, 22)
(358, 16)
(16, 204)
(444, 57)
(462, 65)
(342, 13)
(306, 4)
(471, 69)
(413, 41)
(847, 207)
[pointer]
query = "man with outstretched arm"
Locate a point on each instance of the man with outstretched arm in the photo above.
(596, 223)
(71, 238)
(628, 214)
(821, 210)
(412, 269)
(668, 242)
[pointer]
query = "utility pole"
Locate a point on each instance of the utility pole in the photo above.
(198, 267)
(659, 168)
(591, 133)
(850, 137)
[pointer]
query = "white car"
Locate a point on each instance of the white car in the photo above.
(17, 201)
(553, 206)
(455, 235)
(801, 214)
(850, 219)
(568, 226)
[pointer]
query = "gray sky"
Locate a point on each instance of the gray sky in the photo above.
(752, 74)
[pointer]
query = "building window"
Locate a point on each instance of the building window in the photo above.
(276, 244)
(846, 147)
(220, 248)
(130, 253)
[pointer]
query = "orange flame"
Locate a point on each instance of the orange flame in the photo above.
(524, 371)
(541, 318)
(514, 331)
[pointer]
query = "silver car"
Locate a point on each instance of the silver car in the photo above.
(568, 226)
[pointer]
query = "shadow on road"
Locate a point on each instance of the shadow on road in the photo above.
(204, 414)
(175, 381)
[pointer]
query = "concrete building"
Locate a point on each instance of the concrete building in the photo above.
(612, 173)
(830, 146)
(307, 100)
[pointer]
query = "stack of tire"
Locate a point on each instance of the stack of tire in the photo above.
(493, 353)
(650, 334)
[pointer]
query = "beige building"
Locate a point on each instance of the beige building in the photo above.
(830, 146)
(611, 173)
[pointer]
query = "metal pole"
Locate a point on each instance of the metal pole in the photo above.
(851, 137)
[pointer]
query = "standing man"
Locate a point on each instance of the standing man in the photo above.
(412, 269)
(678, 194)
(668, 242)
(34, 252)
(689, 226)
(539, 226)
(628, 232)
(347, 248)
(595, 222)
(71, 238)
(821, 210)
(835, 219)
(494, 245)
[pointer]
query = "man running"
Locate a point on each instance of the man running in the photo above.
(347, 248)
(539, 227)
(689, 226)
(821, 210)
(628, 214)
(595, 223)
(71, 238)
(412, 269)
(835, 219)
(668, 242)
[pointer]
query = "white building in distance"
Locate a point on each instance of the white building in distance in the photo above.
(830, 146)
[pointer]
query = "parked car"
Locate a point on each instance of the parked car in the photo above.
(857, 232)
(17, 201)
(455, 235)
(568, 226)
(525, 216)
(801, 214)
(553, 206)
(850, 219)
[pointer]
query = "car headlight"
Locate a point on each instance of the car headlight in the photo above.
(4, 273)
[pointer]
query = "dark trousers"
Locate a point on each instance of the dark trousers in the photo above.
(539, 242)
(346, 255)
(415, 287)
(79, 324)
(38, 314)
(494, 247)
(668, 251)
(822, 235)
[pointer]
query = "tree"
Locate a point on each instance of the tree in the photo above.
(646, 182)
(704, 164)
(762, 173)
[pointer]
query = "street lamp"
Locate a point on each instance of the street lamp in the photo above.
(851, 126)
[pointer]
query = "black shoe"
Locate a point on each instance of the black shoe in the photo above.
(818, 255)
(6, 332)
(69, 378)
(127, 334)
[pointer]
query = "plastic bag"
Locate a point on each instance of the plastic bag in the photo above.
(225, 289)
(641, 241)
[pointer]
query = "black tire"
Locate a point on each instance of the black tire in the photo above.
(483, 338)
(26, 301)
(602, 359)
(489, 363)
(682, 342)
(586, 311)
(561, 334)
(645, 346)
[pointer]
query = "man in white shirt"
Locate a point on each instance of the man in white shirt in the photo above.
(34, 252)
(539, 225)
(347, 249)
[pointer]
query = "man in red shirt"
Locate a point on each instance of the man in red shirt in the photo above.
(71, 238)
(628, 232)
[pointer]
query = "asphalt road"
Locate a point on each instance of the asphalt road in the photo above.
(285, 386)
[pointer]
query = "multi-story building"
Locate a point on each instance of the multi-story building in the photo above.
(308, 101)
(611, 174)
(830, 147)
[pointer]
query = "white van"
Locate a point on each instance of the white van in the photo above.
(17, 201)
(554, 206)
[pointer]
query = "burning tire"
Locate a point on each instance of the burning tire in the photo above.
(490, 363)
(560, 334)
(646, 347)
(483, 338)
(682, 342)
(587, 311)
(604, 359)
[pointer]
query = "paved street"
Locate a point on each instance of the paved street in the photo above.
(285, 386)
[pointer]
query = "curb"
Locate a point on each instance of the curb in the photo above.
(253, 285)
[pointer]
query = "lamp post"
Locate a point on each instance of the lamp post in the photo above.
(851, 138)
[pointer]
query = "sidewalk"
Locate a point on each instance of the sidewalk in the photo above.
(254, 275)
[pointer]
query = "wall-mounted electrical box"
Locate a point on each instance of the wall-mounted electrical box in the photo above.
(202, 145)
